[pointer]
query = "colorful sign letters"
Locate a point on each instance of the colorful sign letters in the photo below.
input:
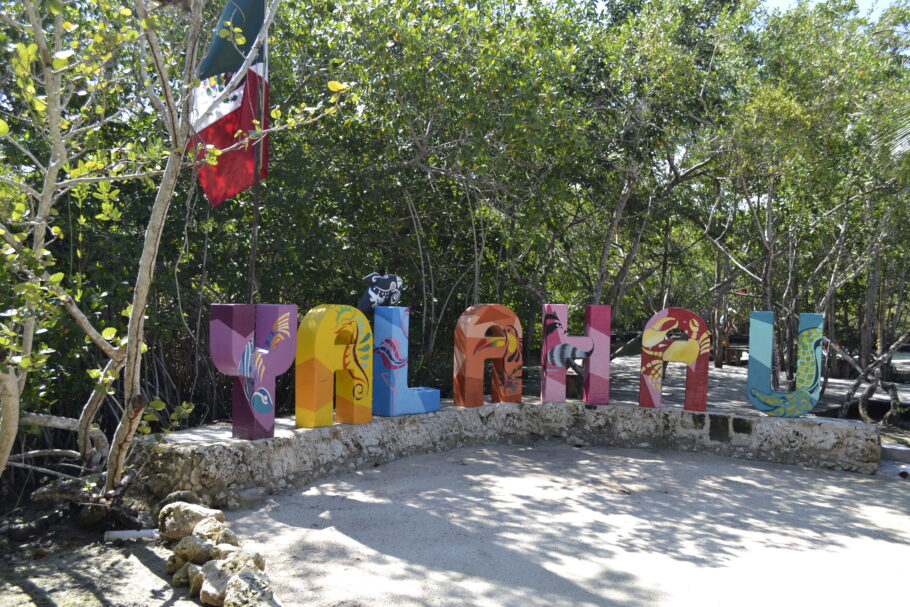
(254, 344)
(391, 394)
(675, 335)
(340, 375)
(334, 367)
(487, 331)
(559, 351)
(808, 366)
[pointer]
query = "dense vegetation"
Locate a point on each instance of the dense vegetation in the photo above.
(639, 153)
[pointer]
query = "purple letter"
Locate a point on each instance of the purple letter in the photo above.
(254, 344)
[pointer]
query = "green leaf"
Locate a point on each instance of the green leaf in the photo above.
(158, 404)
(4, 128)
(109, 333)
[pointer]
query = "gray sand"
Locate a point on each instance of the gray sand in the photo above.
(553, 525)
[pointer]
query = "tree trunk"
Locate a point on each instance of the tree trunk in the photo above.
(618, 290)
(134, 402)
(9, 416)
(868, 328)
(719, 320)
(665, 265)
(90, 409)
(602, 267)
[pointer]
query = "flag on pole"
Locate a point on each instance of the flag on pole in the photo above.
(228, 123)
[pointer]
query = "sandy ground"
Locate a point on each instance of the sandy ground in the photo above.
(554, 525)
(529, 525)
(65, 568)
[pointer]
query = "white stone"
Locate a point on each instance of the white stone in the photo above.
(177, 520)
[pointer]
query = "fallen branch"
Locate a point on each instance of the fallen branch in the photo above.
(41, 470)
(66, 453)
(76, 492)
(99, 440)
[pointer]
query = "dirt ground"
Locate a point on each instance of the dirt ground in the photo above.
(66, 567)
(899, 436)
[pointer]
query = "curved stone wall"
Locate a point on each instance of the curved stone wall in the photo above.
(232, 473)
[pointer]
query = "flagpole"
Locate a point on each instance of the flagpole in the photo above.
(257, 166)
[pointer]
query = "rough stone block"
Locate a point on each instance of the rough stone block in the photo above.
(177, 520)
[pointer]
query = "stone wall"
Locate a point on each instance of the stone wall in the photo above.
(231, 473)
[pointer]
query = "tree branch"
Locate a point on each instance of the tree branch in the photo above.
(21, 186)
(64, 453)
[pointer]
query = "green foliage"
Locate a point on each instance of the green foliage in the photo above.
(522, 153)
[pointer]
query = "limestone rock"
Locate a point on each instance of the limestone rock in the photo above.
(229, 537)
(575, 441)
(249, 589)
(215, 531)
(174, 563)
(257, 559)
(241, 560)
(178, 519)
(194, 572)
(215, 575)
(221, 551)
(190, 497)
(194, 549)
(181, 576)
(213, 583)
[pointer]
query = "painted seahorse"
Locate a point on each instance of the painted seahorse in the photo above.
(357, 351)
(808, 376)
(280, 331)
(252, 365)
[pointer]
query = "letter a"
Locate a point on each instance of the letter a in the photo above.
(487, 331)
(334, 366)
(692, 346)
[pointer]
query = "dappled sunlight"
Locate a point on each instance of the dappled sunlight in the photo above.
(552, 525)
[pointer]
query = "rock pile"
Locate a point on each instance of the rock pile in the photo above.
(208, 558)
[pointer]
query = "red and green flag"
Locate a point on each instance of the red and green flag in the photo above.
(232, 119)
